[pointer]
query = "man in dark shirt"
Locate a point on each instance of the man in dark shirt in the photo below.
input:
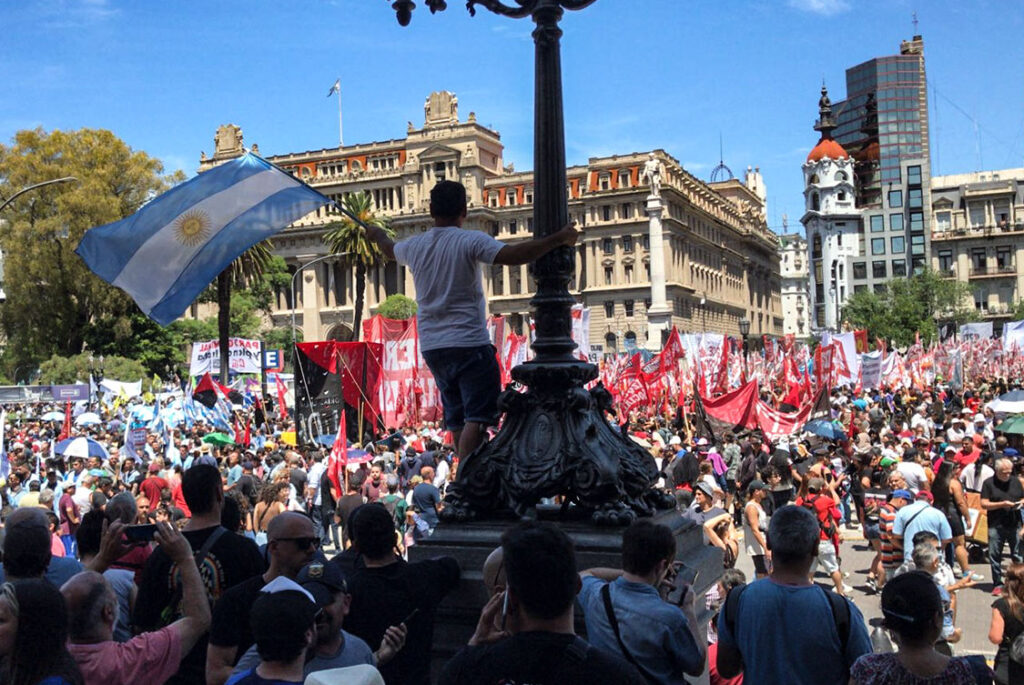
(387, 591)
(290, 545)
(346, 505)
(525, 634)
(228, 561)
(1002, 498)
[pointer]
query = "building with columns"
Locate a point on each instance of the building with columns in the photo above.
(720, 260)
(978, 237)
(796, 297)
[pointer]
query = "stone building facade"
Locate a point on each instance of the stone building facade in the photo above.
(721, 259)
(978, 237)
(796, 299)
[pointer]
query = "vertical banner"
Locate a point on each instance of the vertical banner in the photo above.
(360, 365)
(581, 331)
(408, 393)
(871, 370)
(318, 396)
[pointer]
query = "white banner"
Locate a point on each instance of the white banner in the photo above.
(871, 370)
(981, 329)
(244, 358)
(1013, 335)
(581, 331)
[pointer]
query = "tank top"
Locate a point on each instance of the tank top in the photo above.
(750, 543)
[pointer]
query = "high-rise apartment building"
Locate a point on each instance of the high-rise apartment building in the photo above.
(883, 126)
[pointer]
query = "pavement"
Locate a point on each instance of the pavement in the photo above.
(974, 604)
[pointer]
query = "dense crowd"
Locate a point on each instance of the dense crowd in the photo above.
(194, 563)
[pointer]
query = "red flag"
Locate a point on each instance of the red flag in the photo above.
(861, 341)
(672, 352)
(722, 382)
(66, 430)
(282, 404)
(247, 438)
(339, 454)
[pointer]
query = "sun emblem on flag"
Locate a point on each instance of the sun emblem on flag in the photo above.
(192, 228)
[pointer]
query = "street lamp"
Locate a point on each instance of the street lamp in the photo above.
(296, 275)
(554, 439)
(52, 181)
(744, 324)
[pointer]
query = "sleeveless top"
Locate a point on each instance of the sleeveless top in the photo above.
(750, 543)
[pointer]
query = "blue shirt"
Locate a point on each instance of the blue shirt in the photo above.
(787, 635)
(929, 518)
(251, 678)
(58, 572)
(654, 631)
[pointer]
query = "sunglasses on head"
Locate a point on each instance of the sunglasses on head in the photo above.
(303, 542)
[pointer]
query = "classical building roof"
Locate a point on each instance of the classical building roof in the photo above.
(827, 147)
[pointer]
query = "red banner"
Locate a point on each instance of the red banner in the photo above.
(408, 394)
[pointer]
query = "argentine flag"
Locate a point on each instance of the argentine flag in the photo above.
(166, 253)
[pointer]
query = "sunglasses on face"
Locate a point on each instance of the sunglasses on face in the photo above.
(302, 543)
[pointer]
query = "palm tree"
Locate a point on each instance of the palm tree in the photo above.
(244, 271)
(349, 238)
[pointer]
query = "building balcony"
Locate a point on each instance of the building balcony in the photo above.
(946, 273)
(964, 233)
(993, 271)
(996, 311)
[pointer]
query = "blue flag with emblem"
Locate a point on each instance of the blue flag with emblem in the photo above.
(166, 253)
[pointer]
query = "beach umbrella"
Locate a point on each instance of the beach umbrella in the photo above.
(80, 447)
(88, 419)
(1014, 424)
(825, 429)
(53, 416)
(218, 439)
(1008, 403)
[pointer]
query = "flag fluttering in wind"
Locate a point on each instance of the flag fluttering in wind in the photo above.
(336, 88)
(166, 253)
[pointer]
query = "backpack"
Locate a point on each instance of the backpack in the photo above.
(1017, 649)
(828, 527)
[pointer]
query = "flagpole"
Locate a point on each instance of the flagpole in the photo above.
(341, 137)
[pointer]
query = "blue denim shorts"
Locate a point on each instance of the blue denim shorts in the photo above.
(469, 380)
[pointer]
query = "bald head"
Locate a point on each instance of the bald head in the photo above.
(92, 607)
(289, 524)
(494, 572)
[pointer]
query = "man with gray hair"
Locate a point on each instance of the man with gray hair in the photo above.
(1002, 497)
(766, 629)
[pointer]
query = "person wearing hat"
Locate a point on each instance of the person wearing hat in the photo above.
(283, 623)
(334, 646)
(823, 501)
(755, 526)
(69, 517)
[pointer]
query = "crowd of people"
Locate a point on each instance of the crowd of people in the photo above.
(190, 563)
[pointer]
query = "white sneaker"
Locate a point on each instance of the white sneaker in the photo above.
(846, 589)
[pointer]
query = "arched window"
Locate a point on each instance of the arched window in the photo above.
(610, 342)
(815, 202)
(841, 176)
(816, 247)
(813, 178)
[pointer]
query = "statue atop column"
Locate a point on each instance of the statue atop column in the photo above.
(652, 174)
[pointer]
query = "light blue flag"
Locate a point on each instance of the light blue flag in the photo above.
(166, 253)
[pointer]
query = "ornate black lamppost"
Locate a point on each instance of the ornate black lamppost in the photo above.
(555, 439)
(745, 334)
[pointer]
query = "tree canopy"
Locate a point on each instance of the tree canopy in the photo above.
(55, 305)
(919, 303)
(397, 306)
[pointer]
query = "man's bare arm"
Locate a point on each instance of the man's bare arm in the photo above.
(381, 239)
(531, 250)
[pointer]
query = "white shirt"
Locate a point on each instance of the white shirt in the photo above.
(914, 474)
(445, 264)
(972, 483)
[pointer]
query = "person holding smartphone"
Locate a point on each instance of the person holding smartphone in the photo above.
(626, 613)
(1002, 497)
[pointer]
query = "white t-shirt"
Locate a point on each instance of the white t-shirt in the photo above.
(914, 474)
(445, 264)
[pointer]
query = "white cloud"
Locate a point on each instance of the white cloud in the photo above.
(823, 7)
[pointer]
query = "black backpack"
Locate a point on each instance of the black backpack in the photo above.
(828, 528)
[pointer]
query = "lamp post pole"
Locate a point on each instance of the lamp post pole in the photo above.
(745, 334)
(65, 179)
(555, 439)
(296, 275)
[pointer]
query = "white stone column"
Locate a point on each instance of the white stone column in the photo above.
(310, 302)
(659, 314)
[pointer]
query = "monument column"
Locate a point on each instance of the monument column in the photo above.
(659, 314)
(310, 303)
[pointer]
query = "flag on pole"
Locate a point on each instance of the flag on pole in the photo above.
(336, 88)
(166, 253)
(339, 455)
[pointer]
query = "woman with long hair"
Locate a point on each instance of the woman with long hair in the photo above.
(949, 497)
(273, 500)
(912, 613)
(34, 634)
(1007, 624)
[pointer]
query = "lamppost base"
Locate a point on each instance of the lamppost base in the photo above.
(556, 441)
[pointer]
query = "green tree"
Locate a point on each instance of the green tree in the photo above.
(244, 272)
(397, 307)
(66, 370)
(1017, 313)
(908, 306)
(54, 304)
(346, 237)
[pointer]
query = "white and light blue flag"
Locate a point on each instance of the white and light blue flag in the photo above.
(166, 253)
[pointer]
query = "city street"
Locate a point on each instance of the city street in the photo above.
(974, 604)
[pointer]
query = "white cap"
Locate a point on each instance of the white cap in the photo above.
(675, 440)
(979, 418)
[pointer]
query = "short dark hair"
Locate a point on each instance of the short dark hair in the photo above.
(909, 604)
(26, 550)
(200, 485)
(372, 530)
(644, 544)
(90, 532)
(540, 563)
(447, 200)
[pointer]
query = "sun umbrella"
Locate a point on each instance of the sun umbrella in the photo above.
(53, 416)
(1014, 424)
(825, 429)
(218, 439)
(80, 447)
(1008, 403)
(88, 419)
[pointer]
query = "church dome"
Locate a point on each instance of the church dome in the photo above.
(827, 148)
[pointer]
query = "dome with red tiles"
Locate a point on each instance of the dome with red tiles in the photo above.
(827, 147)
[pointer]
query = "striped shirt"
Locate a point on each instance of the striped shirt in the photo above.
(892, 556)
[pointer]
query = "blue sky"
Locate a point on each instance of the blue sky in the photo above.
(638, 75)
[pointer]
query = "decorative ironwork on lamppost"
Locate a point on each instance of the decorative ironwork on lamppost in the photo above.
(556, 439)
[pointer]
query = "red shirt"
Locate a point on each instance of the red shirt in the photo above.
(151, 488)
(825, 509)
(963, 459)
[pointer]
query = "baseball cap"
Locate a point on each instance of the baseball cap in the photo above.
(903, 494)
(979, 418)
(756, 485)
(675, 440)
(282, 618)
(926, 496)
(154, 467)
(705, 488)
(322, 581)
